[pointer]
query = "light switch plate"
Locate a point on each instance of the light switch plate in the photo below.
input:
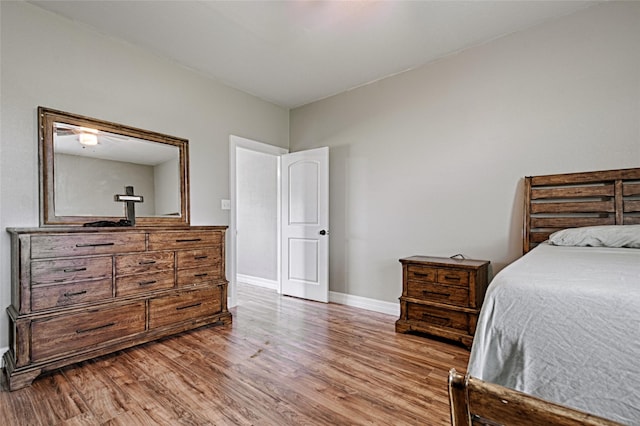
(225, 204)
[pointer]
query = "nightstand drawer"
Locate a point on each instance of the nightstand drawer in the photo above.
(442, 293)
(421, 273)
(453, 276)
(438, 317)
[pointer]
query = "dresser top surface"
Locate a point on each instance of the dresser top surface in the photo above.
(82, 229)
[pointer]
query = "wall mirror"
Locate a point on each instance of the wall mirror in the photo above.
(85, 162)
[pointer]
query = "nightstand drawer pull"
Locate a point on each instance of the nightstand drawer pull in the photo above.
(111, 324)
(451, 278)
(146, 262)
(200, 275)
(179, 308)
(95, 244)
(436, 319)
(77, 293)
(142, 283)
(200, 257)
(436, 293)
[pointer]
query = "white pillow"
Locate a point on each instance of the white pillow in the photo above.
(598, 236)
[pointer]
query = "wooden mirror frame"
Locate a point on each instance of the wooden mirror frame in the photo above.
(46, 119)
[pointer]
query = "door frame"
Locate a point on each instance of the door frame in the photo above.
(236, 142)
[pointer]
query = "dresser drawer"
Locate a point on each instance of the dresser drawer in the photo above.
(144, 262)
(184, 306)
(56, 336)
(442, 293)
(453, 276)
(45, 246)
(438, 317)
(142, 283)
(58, 295)
(199, 258)
(75, 269)
(193, 276)
(175, 240)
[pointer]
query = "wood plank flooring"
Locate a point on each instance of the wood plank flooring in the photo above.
(283, 361)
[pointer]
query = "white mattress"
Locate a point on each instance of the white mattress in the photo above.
(563, 324)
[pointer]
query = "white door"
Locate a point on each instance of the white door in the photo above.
(305, 224)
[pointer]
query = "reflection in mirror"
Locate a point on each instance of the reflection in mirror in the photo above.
(85, 162)
(91, 166)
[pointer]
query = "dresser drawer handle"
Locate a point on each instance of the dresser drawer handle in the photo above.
(95, 244)
(74, 269)
(78, 293)
(146, 262)
(189, 240)
(437, 319)
(451, 278)
(141, 283)
(200, 257)
(111, 324)
(200, 275)
(436, 292)
(188, 306)
(423, 274)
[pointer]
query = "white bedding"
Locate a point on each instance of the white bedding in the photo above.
(563, 323)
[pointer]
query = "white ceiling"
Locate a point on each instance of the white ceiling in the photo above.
(295, 52)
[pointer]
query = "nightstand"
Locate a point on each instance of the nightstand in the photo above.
(442, 296)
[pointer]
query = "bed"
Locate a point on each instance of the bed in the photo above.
(562, 323)
(477, 403)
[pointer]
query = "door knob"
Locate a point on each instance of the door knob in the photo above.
(323, 232)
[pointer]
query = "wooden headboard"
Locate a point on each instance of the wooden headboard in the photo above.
(554, 202)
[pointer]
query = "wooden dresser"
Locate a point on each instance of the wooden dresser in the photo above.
(78, 293)
(442, 296)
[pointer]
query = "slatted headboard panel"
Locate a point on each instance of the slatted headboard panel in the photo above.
(555, 202)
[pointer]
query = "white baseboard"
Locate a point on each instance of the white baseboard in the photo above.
(2, 351)
(375, 305)
(261, 282)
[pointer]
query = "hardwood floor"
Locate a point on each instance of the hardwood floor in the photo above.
(284, 361)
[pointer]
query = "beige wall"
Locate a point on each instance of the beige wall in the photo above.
(431, 161)
(50, 61)
(88, 185)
